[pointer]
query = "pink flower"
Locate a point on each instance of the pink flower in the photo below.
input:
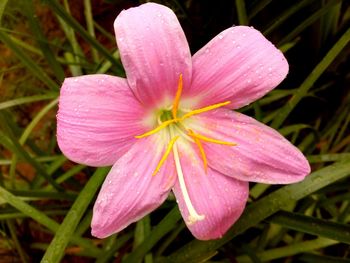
(169, 126)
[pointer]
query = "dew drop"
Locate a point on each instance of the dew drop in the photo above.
(221, 36)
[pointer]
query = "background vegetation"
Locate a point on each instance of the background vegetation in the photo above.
(46, 200)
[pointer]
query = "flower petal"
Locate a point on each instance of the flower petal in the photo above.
(239, 65)
(130, 191)
(219, 198)
(154, 52)
(261, 154)
(97, 119)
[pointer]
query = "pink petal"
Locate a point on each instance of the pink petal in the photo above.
(219, 198)
(130, 191)
(261, 155)
(154, 52)
(97, 119)
(239, 65)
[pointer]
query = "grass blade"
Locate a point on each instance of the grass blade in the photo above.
(28, 62)
(43, 219)
(3, 4)
(12, 144)
(301, 92)
(55, 251)
(24, 100)
(28, 10)
(241, 12)
(312, 225)
(290, 250)
(59, 10)
(166, 225)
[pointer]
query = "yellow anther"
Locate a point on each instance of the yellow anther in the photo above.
(201, 150)
(177, 97)
(157, 129)
(167, 152)
(207, 139)
(205, 109)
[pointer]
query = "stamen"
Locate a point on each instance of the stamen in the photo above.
(177, 97)
(201, 150)
(157, 129)
(167, 152)
(208, 108)
(207, 139)
(193, 215)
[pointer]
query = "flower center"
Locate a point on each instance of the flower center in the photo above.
(173, 121)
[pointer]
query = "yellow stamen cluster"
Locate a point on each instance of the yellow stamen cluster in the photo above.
(196, 137)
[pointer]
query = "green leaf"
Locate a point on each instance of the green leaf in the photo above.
(3, 4)
(285, 15)
(301, 92)
(55, 251)
(90, 26)
(165, 226)
(312, 258)
(290, 250)
(11, 142)
(312, 225)
(29, 12)
(17, 244)
(24, 100)
(241, 12)
(309, 21)
(25, 136)
(332, 157)
(28, 62)
(43, 219)
(260, 5)
(59, 10)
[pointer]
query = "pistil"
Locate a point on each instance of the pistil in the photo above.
(193, 215)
